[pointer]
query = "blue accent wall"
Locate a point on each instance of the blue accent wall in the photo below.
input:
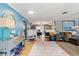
(28, 26)
(77, 22)
(4, 32)
(5, 7)
(59, 26)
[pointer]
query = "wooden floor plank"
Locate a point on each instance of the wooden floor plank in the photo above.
(70, 48)
(27, 49)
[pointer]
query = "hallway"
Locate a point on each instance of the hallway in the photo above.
(47, 48)
(39, 29)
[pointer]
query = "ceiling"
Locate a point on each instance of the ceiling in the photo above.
(46, 12)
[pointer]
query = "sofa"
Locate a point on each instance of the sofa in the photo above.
(75, 39)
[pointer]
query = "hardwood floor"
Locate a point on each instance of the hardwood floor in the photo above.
(27, 49)
(70, 48)
(47, 48)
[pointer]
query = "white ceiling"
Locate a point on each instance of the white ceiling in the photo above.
(46, 12)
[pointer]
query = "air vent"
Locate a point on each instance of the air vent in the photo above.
(64, 12)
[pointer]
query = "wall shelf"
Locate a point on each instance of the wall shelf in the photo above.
(8, 45)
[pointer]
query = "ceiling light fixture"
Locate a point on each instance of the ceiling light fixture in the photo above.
(31, 12)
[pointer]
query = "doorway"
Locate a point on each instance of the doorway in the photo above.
(24, 31)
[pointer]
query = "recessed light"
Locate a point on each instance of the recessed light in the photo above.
(31, 12)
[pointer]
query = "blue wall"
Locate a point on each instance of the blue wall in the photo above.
(59, 26)
(28, 26)
(4, 32)
(4, 7)
(77, 22)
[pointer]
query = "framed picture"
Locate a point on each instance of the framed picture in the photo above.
(67, 24)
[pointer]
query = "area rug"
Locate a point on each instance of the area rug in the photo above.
(47, 48)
